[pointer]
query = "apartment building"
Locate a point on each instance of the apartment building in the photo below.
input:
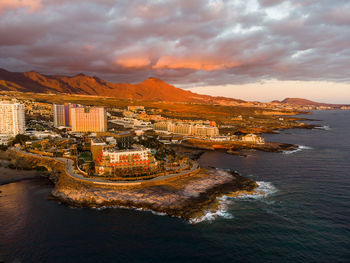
(12, 120)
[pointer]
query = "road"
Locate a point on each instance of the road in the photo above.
(69, 168)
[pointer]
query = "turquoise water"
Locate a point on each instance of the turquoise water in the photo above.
(301, 215)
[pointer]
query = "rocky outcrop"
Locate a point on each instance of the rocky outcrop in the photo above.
(182, 197)
(234, 147)
(23, 161)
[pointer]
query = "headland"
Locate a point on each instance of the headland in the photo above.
(139, 154)
(182, 195)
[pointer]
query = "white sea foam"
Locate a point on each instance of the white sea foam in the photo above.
(159, 213)
(148, 210)
(209, 215)
(299, 149)
(130, 208)
(263, 190)
(325, 127)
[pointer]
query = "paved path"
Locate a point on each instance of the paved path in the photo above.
(69, 168)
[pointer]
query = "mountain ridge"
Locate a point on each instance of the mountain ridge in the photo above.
(150, 89)
(306, 102)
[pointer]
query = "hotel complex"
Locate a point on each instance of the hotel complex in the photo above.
(62, 115)
(12, 121)
(112, 161)
(79, 118)
(88, 119)
(187, 129)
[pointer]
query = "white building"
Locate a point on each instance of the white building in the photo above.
(204, 130)
(187, 128)
(132, 123)
(112, 161)
(126, 156)
(253, 138)
(12, 121)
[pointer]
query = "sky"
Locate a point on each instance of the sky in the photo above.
(248, 49)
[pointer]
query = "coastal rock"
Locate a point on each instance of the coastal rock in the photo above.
(181, 197)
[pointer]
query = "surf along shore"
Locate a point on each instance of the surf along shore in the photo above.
(184, 195)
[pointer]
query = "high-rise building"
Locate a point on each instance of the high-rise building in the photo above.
(88, 119)
(59, 116)
(12, 121)
(62, 115)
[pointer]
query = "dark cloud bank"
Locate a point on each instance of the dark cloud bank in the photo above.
(183, 42)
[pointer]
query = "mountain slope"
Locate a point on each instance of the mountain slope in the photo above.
(305, 102)
(150, 89)
(299, 101)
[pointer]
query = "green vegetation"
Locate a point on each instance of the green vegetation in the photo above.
(85, 156)
(21, 139)
(162, 151)
(3, 147)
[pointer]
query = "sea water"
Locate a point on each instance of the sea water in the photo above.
(300, 212)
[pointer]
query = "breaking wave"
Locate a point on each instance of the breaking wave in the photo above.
(325, 127)
(299, 149)
(263, 190)
(100, 208)
(209, 215)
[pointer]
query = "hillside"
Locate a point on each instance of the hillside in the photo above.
(305, 102)
(302, 102)
(151, 89)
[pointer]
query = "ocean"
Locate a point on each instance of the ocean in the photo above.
(301, 212)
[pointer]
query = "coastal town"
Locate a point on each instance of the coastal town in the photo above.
(117, 141)
(138, 145)
(136, 154)
(97, 157)
(174, 131)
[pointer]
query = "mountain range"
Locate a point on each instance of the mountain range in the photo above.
(152, 89)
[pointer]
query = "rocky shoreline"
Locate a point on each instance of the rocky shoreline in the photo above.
(183, 197)
(186, 196)
(237, 147)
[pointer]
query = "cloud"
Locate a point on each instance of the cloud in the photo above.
(133, 62)
(210, 42)
(195, 63)
(33, 5)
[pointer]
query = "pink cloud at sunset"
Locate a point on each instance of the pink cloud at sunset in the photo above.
(201, 63)
(187, 43)
(32, 5)
(133, 62)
